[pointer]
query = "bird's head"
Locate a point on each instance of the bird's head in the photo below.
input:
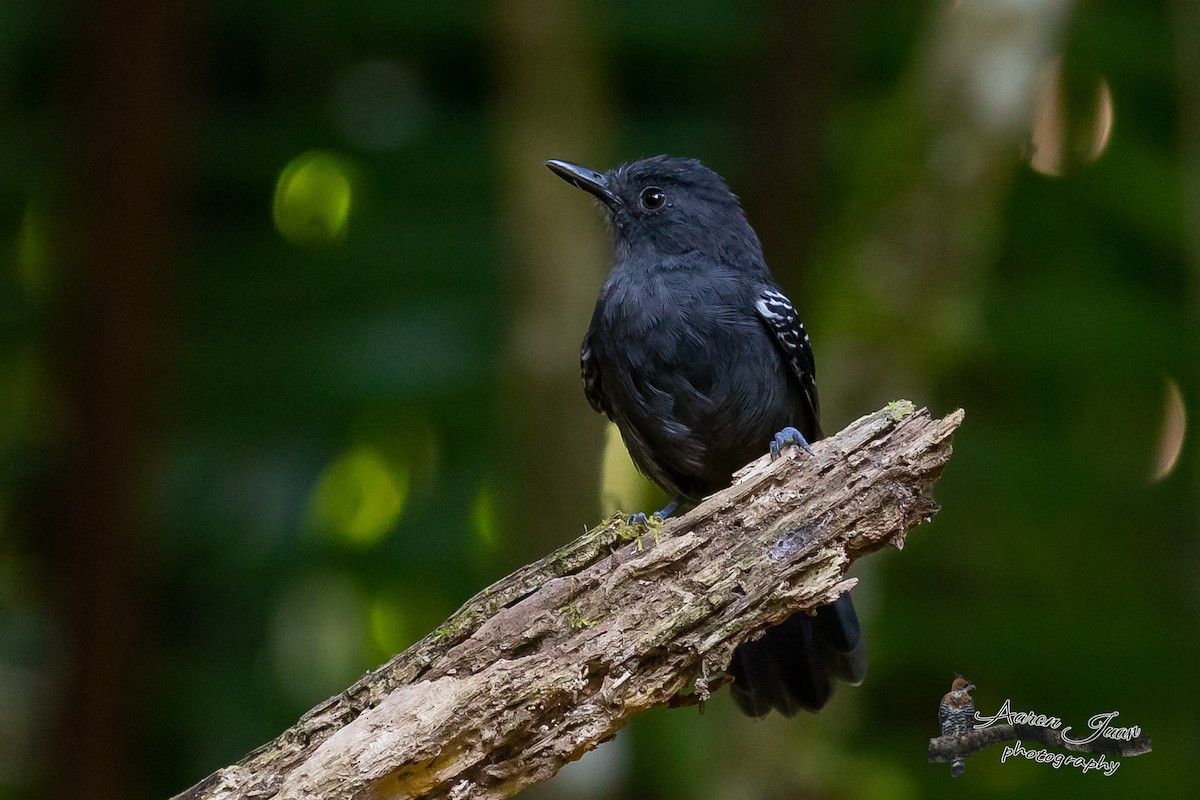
(669, 206)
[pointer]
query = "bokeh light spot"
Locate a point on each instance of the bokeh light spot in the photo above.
(1057, 141)
(34, 252)
(313, 199)
(1170, 439)
(483, 520)
(360, 496)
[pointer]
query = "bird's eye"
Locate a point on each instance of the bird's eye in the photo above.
(653, 198)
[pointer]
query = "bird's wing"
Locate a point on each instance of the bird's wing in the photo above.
(591, 378)
(781, 319)
(943, 712)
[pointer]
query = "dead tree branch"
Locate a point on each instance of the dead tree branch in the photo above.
(545, 664)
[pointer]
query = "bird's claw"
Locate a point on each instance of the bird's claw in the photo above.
(788, 437)
(654, 522)
(640, 523)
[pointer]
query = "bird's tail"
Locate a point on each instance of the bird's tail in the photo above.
(794, 663)
(957, 766)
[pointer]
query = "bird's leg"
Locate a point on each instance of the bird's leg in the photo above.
(668, 509)
(788, 437)
(662, 513)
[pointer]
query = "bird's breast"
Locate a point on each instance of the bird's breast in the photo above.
(695, 383)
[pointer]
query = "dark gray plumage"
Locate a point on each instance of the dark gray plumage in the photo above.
(702, 363)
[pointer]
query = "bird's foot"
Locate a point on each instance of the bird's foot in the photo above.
(788, 437)
(662, 514)
(654, 522)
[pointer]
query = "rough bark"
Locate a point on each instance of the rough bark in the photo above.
(547, 663)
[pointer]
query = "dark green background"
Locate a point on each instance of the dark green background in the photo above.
(190, 402)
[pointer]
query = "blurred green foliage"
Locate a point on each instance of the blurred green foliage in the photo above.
(327, 455)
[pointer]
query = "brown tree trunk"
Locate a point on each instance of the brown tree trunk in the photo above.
(107, 352)
(550, 103)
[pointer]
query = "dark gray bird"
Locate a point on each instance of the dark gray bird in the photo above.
(703, 363)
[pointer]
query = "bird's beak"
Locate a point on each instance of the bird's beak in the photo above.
(970, 687)
(583, 178)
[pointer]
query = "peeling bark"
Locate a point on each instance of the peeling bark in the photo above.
(552, 660)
